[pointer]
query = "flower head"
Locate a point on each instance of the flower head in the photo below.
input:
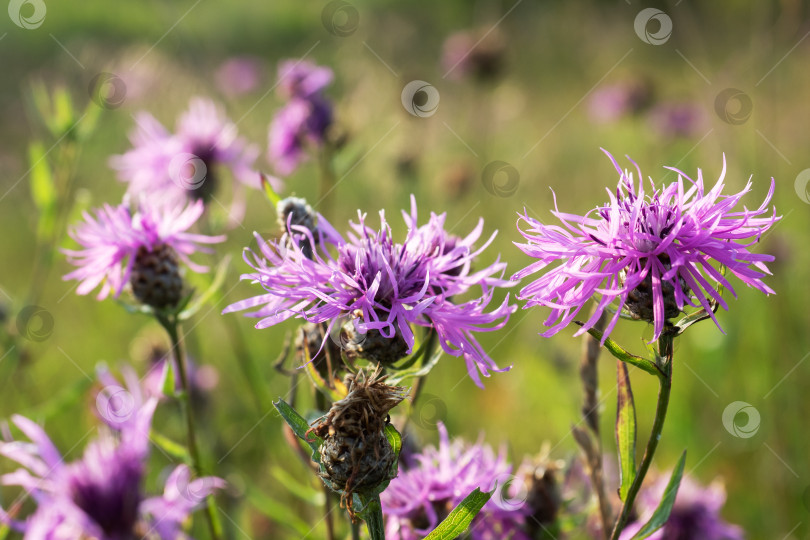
(239, 75)
(383, 285)
(306, 117)
(696, 514)
(100, 495)
(120, 246)
(652, 253)
(417, 500)
(170, 168)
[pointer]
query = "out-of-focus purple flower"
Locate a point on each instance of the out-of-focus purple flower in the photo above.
(417, 500)
(473, 52)
(306, 117)
(114, 239)
(302, 79)
(239, 75)
(613, 102)
(383, 285)
(678, 119)
(652, 254)
(101, 495)
(696, 514)
(300, 123)
(170, 168)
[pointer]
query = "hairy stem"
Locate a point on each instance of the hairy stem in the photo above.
(665, 381)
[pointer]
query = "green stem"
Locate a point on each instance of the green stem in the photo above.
(355, 531)
(170, 324)
(374, 519)
(664, 363)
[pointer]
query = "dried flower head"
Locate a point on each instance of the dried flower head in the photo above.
(356, 456)
(651, 254)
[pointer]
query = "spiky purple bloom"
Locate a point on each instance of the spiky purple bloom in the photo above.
(304, 120)
(383, 285)
(112, 239)
(696, 514)
(664, 246)
(420, 497)
(302, 79)
(170, 168)
(101, 495)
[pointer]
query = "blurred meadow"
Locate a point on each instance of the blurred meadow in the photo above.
(535, 108)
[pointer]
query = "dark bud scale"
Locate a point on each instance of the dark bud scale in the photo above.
(155, 277)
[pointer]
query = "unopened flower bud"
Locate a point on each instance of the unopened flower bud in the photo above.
(155, 277)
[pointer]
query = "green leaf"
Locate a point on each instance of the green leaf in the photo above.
(43, 190)
(460, 518)
(276, 511)
(619, 353)
(395, 440)
(300, 427)
(175, 450)
(216, 283)
(625, 430)
(661, 514)
(272, 196)
(169, 384)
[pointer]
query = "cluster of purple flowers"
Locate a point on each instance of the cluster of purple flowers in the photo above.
(383, 285)
(100, 495)
(304, 119)
(417, 500)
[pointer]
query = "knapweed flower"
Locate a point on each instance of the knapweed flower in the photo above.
(141, 248)
(170, 168)
(383, 285)
(653, 254)
(101, 495)
(613, 102)
(417, 500)
(306, 117)
(696, 514)
(678, 119)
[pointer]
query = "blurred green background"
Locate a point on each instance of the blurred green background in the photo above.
(535, 116)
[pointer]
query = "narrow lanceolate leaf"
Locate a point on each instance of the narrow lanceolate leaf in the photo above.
(625, 430)
(173, 449)
(300, 427)
(661, 514)
(395, 440)
(620, 354)
(460, 518)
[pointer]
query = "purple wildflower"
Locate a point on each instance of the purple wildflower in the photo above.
(306, 117)
(678, 119)
(417, 500)
(239, 75)
(115, 238)
(696, 514)
(302, 79)
(653, 254)
(612, 102)
(170, 168)
(100, 495)
(383, 285)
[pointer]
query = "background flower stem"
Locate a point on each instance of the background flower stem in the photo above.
(170, 324)
(664, 362)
